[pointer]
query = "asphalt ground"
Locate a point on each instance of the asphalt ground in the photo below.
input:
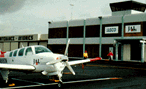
(97, 75)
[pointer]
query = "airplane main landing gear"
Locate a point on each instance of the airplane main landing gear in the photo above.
(5, 74)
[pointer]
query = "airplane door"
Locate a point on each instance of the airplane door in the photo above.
(13, 59)
(10, 58)
(20, 57)
(28, 54)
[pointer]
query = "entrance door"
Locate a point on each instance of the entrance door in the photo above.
(135, 51)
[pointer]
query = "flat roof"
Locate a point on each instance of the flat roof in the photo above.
(130, 39)
(127, 5)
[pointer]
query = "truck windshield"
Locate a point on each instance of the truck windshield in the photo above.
(41, 50)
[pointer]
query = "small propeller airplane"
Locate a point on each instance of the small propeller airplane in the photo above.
(37, 58)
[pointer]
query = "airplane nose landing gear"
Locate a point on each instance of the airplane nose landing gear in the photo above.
(57, 80)
(59, 84)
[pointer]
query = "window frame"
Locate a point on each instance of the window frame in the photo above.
(35, 48)
(26, 50)
(15, 53)
(22, 52)
(11, 54)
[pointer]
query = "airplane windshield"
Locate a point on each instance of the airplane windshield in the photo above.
(41, 50)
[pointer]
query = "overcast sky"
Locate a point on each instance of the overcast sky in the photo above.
(18, 17)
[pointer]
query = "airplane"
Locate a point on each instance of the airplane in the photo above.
(38, 58)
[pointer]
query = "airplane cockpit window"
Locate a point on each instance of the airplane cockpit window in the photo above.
(21, 51)
(28, 51)
(10, 55)
(41, 50)
(15, 53)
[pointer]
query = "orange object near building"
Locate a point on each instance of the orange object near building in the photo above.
(82, 66)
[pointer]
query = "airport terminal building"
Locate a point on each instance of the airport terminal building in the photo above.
(8, 43)
(123, 33)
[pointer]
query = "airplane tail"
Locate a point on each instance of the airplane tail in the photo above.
(2, 53)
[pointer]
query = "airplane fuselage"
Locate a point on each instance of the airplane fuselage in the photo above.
(37, 58)
(30, 56)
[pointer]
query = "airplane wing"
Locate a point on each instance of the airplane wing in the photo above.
(83, 61)
(16, 67)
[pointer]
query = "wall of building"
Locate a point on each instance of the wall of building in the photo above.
(6, 46)
(8, 43)
(111, 30)
(14, 45)
(43, 43)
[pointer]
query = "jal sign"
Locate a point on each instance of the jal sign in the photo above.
(133, 29)
(111, 30)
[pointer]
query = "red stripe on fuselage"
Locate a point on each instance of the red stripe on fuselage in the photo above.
(2, 54)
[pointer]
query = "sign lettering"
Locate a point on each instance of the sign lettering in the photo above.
(25, 38)
(7, 38)
(111, 30)
(133, 29)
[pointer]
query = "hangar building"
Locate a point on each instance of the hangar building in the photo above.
(8, 43)
(120, 33)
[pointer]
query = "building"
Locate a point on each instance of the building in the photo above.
(120, 33)
(8, 43)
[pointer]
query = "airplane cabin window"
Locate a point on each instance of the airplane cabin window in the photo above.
(15, 53)
(28, 50)
(21, 51)
(10, 55)
(41, 50)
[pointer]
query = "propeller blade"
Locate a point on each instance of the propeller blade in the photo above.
(65, 53)
(70, 68)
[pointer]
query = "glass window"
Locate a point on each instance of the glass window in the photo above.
(15, 53)
(10, 55)
(21, 51)
(41, 50)
(28, 50)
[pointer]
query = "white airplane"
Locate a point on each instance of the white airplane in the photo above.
(37, 59)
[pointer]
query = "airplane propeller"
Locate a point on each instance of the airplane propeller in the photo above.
(65, 53)
(69, 67)
(67, 64)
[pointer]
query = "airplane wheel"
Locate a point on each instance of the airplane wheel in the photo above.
(59, 84)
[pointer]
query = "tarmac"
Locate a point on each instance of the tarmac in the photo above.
(94, 74)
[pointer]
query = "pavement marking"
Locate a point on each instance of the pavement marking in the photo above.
(27, 81)
(89, 80)
(119, 67)
(79, 81)
(29, 86)
(67, 73)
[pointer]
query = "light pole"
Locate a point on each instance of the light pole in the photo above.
(71, 9)
(100, 39)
